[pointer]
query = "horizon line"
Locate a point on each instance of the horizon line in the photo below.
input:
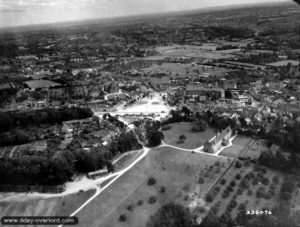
(77, 22)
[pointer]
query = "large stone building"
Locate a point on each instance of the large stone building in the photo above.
(199, 90)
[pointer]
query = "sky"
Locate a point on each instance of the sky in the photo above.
(29, 12)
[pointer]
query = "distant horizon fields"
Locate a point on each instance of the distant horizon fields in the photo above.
(129, 18)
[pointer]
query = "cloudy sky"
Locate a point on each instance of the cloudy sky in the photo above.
(26, 12)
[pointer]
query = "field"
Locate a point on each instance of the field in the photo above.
(193, 139)
(56, 206)
(178, 69)
(34, 84)
(238, 145)
(192, 51)
(284, 63)
(232, 151)
(255, 150)
(177, 171)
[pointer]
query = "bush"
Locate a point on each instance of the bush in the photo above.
(238, 176)
(240, 191)
(223, 181)
(152, 199)
(225, 194)
(229, 188)
(242, 206)
(233, 204)
(218, 170)
(264, 170)
(162, 189)
(250, 192)
(122, 218)
(182, 137)
(255, 181)
(151, 181)
(272, 192)
(140, 202)
(245, 184)
(209, 198)
(238, 164)
(232, 183)
(260, 192)
(217, 188)
(201, 180)
(286, 196)
(129, 207)
(217, 163)
(265, 181)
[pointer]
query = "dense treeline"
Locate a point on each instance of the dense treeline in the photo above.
(9, 49)
(35, 170)
(286, 136)
(52, 168)
(231, 32)
(14, 137)
(260, 59)
(10, 120)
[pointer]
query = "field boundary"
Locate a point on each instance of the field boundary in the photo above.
(219, 178)
(246, 148)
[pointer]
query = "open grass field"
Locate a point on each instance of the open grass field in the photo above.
(232, 151)
(175, 170)
(284, 63)
(192, 51)
(56, 206)
(241, 141)
(34, 84)
(193, 139)
(178, 69)
(238, 144)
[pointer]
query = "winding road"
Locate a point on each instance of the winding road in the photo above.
(145, 151)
